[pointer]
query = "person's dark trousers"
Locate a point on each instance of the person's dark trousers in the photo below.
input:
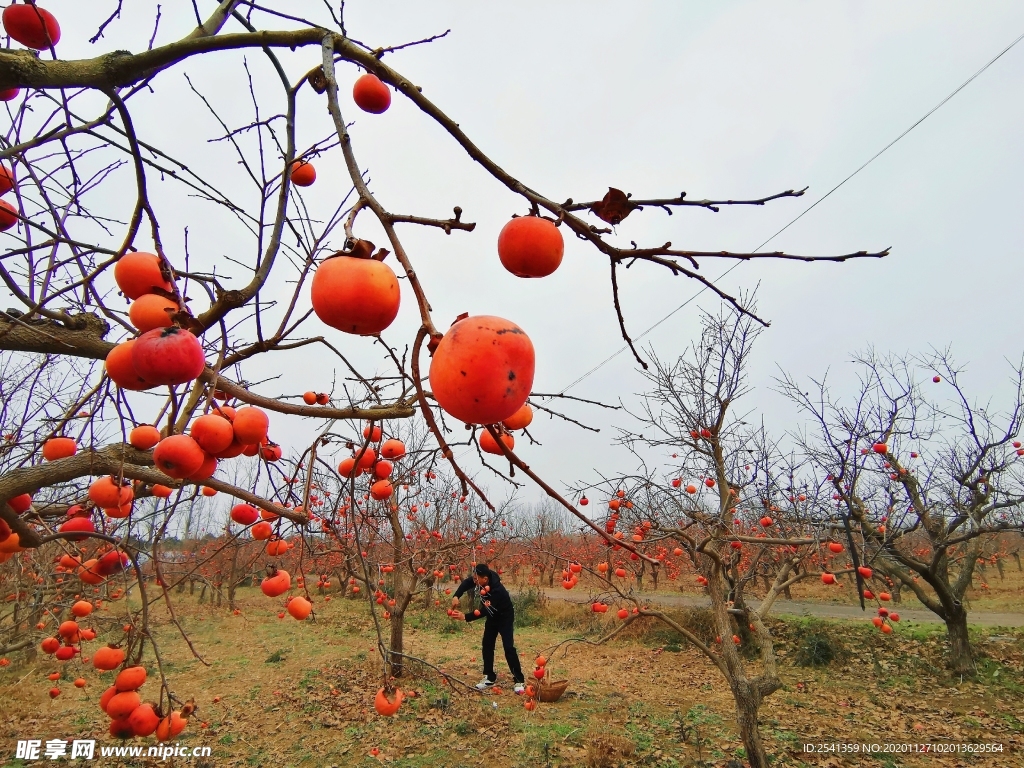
(493, 628)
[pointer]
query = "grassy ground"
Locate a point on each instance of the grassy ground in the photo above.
(295, 694)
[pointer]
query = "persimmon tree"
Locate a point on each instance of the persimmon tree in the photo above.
(725, 505)
(131, 356)
(924, 476)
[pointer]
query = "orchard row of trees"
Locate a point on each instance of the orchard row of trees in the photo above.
(737, 512)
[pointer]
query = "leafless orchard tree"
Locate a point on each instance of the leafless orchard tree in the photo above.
(730, 505)
(922, 474)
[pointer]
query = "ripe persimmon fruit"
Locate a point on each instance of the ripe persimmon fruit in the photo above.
(250, 425)
(530, 246)
(482, 370)
(59, 448)
(303, 173)
(489, 445)
(359, 296)
(151, 311)
(144, 437)
(213, 432)
(168, 356)
(121, 368)
(178, 456)
(32, 26)
(371, 95)
(137, 274)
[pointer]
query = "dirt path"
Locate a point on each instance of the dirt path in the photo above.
(821, 610)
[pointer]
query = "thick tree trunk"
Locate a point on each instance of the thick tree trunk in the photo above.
(786, 593)
(747, 705)
(960, 654)
(397, 644)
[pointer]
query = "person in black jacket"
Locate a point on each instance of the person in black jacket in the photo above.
(499, 616)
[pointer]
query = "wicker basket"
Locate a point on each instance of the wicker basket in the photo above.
(551, 691)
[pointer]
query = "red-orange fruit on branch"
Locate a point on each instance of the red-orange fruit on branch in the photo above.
(489, 445)
(6, 179)
(178, 456)
(530, 246)
(482, 370)
(214, 433)
(168, 356)
(137, 274)
(111, 563)
(354, 295)
(206, 469)
(59, 448)
(299, 608)
(89, 572)
(244, 514)
(144, 437)
(392, 449)
(521, 419)
(144, 720)
(20, 504)
(276, 585)
(171, 726)
(31, 26)
(8, 215)
(381, 490)
(81, 525)
(347, 467)
(151, 311)
(121, 368)
(123, 704)
(303, 173)
(121, 728)
(371, 95)
(107, 659)
(107, 492)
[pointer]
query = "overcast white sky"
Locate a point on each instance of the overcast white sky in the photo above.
(725, 99)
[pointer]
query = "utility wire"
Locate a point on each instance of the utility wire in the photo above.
(807, 210)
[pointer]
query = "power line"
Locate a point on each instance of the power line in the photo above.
(807, 210)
